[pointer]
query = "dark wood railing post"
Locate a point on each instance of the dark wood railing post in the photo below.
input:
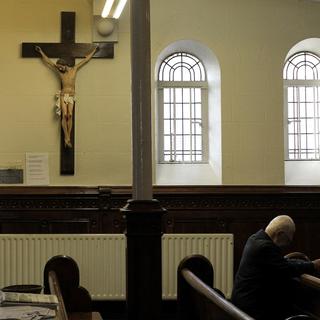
(144, 275)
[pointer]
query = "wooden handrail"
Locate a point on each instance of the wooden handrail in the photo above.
(306, 297)
(55, 289)
(214, 297)
(197, 299)
(310, 281)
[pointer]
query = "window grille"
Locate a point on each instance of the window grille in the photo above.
(182, 110)
(182, 66)
(302, 86)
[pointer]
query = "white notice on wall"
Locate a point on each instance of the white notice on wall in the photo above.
(37, 169)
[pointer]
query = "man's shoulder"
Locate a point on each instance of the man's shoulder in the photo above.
(260, 235)
(261, 240)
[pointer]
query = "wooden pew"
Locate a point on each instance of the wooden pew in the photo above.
(61, 277)
(197, 300)
(305, 290)
(61, 311)
(75, 297)
(55, 289)
(306, 297)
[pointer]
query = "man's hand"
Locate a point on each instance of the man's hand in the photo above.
(316, 264)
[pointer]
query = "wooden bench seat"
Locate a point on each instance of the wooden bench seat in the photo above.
(305, 290)
(61, 277)
(61, 311)
(197, 300)
(307, 295)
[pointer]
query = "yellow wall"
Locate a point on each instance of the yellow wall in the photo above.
(250, 38)
(27, 88)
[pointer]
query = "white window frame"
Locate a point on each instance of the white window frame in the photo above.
(298, 84)
(203, 85)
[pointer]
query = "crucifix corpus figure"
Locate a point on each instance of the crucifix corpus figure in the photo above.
(66, 96)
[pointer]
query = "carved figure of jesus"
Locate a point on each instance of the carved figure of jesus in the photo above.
(66, 96)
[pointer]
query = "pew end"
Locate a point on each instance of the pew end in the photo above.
(197, 299)
(306, 298)
(75, 297)
(307, 295)
(300, 317)
(54, 288)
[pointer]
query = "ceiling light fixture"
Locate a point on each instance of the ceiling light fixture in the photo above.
(119, 9)
(105, 19)
(113, 9)
(107, 8)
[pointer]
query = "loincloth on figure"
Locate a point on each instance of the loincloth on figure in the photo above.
(67, 98)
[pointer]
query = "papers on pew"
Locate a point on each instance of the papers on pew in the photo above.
(28, 299)
(26, 313)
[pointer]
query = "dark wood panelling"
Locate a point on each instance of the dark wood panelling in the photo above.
(240, 210)
(52, 209)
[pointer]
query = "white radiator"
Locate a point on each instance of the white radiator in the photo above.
(218, 248)
(101, 259)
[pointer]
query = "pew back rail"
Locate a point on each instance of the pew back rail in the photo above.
(197, 300)
(54, 287)
(307, 299)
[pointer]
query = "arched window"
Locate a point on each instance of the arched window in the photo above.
(182, 110)
(302, 97)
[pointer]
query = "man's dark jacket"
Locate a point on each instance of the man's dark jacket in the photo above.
(262, 286)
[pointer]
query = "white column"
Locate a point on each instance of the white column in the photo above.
(141, 100)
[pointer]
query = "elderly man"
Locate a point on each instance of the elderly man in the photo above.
(261, 286)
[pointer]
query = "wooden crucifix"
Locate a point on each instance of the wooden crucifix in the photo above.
(67, 51)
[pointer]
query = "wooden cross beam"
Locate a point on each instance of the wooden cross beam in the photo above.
(68, 50)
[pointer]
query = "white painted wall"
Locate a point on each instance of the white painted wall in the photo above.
(250, 39)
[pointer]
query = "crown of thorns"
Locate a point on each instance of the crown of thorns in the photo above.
(62, 62)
